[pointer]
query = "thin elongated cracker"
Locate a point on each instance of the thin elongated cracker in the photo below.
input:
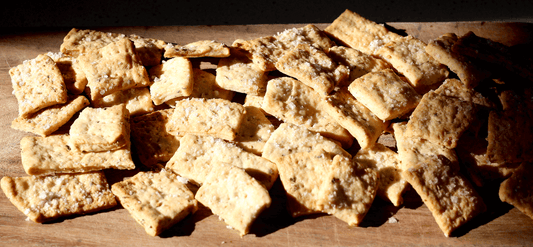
(292, 101)
(360, 33)
(516, 190)
(234, 196)
(37, 83)
(312, 67)
(73, 75)
(156, 201)
(202, 48)
(172, 79)
(197, 155)
(254, 131)
(359, 63)
(113, 68)
(385, 94)
(44, 198)
(138, 100)
(48, 120)
(52, 154)
(238, 73)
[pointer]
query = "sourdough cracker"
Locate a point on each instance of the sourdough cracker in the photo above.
(73, 75)
(510, 137)
(172, 79)
(238, 73)
(156, 201)
(44, 198)
(357, 62)
(234, 196)
(255, 101)
(52, 155)
(202, 48)
(254, 131)
(516, 190)
(37, 84)
(385, 94)
(47, 121)
(138, 100)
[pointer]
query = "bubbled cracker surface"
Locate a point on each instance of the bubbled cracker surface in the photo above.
(172, 79)
(48, 197)
(156, 200)
(138, 100)
(202, 48)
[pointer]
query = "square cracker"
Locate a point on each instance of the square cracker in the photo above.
(358, 63)
(234, 196)
(360, 33)
(138, 100)
(409, 57)
(362, 124)
(172, 79)
(255, 130)
(101, 129)
(37, 84)
(113, 68)
(387, 163)
(516, 190)
(52, 154)
(150, 139)
(312, 67)
(44, 198)
(217, 117)
(238, 73)
(197, 155)
(202, 48)
(156, 200)
(294, 102)
(441, 119)
(46, 121)
(73, 75)
(385, 94)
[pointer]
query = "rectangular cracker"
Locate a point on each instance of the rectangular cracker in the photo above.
(362, 124)
(156, 201)
(44, 198)
(217, 117)
(358, 63)
(387, 163)
(172, 79)
(294, 102)
(360, 33)
(150, 139)
(101, 129)
(52, 154)
(409, 57)
(73, 75)
(516, 190)
(37, 83)
(113, 68)
(313, 67)
(385, 94)
(238, 73)
(202, 48)
(47, 121)
(79, 41)
(254, 131)
(138, 100)
(234, 196)
(196, 157)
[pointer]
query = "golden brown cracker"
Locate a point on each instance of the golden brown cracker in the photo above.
(172, 79)
(202, 48)
(357, 62)
(516, 190)
(238, 73)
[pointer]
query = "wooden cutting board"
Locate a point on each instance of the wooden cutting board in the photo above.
(414, 224)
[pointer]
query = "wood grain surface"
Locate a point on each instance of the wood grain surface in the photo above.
(500, 225)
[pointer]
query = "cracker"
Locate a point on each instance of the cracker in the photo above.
(359, 63)
(312, 67)
(101, 129)
(516, 190)
(47, 121)
(238, 73)
(385, 94)
(409, 57)
(254, 131)
(441, 119)
(113, 68)
(197, 156)
(469, 72)
(387, 163)
(234, 196)
(455, 88)
(448, 195)
(37, 84)
(156, 201)
(510, 137)
(292, 101)
(202, 48)
(80, 41)
(73, 75)
(217, 117)
(362, 124)
(150, 139)
(138, 100)
(52, 154)
(255, 101)
(360, 33)
(172, 79)
(44, 198)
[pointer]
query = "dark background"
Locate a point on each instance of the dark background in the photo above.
(62, 13)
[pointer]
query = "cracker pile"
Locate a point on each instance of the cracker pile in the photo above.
(289, 105)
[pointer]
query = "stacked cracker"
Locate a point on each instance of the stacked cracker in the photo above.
(321, 89)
